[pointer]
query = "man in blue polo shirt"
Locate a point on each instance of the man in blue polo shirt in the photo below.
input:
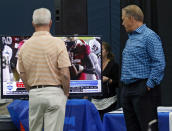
(143, 66)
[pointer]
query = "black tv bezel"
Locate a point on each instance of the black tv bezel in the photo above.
(71, 95)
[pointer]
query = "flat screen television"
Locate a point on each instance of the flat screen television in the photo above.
(86, 70)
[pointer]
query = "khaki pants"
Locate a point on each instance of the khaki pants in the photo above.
(46, 109)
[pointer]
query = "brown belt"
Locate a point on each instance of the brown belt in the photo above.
(44, 86)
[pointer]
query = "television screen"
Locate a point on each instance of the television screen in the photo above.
(85, 56)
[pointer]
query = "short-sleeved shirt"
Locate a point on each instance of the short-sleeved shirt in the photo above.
(41, 57)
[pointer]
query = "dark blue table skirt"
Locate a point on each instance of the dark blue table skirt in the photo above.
(81, 115)
(116, 122)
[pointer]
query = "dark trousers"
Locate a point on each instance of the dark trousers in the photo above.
(140, 106)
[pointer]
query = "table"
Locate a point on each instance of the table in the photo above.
(116, 122)
(170, 121)
(81, 115)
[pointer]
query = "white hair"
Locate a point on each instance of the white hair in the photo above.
(41, 16)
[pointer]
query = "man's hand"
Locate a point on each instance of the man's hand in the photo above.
(148, 88)
(65, 79)
(24, 79)
(67, 95)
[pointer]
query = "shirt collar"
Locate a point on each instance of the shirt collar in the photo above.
(39, 33)
(140, 29)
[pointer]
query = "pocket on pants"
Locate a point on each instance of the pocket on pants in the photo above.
(142, 88)
(56, 101)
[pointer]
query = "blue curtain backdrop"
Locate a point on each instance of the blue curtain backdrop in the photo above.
(104, 20)
(16, 15)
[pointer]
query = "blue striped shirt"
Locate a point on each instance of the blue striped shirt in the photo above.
(143, 57)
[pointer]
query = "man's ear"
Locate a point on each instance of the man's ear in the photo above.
(33, 24)
(132, 19)
(50, 23)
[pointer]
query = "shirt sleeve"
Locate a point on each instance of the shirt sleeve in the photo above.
(155, 51)
(63, 58)
(20, 67)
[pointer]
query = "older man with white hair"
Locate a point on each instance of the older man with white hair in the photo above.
(43, 64)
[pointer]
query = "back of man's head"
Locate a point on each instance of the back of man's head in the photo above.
(41, 16)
